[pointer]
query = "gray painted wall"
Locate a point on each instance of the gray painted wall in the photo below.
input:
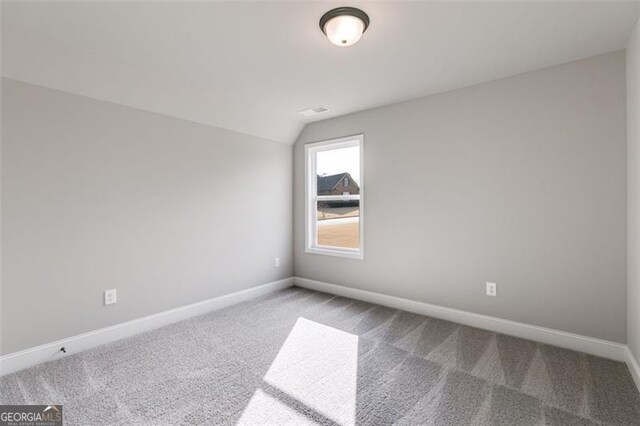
(521, 181)
(98, 196)
(633, 183)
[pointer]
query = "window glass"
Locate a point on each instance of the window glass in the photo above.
(334, 208)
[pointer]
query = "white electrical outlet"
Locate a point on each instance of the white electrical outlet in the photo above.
(277, 262)
(492, 289)
(110, 297)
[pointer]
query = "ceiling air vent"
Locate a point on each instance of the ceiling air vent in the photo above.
(310, 112)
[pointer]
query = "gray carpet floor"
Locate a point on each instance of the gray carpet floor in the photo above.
(302, 357)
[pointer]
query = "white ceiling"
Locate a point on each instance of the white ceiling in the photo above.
(251, 67)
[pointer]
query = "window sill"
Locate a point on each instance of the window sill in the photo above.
(328, 251)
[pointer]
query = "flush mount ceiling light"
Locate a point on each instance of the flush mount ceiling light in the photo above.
(344, 26)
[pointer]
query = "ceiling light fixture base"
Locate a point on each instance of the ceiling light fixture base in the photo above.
(341, 11)
(344, 26)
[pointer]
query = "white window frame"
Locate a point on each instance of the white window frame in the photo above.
(312, 197)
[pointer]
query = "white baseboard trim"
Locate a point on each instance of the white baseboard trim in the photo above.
(50, 351)
(634, 367)
(590, 345)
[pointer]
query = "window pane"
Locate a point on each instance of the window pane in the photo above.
(334, 207)
(338, 171)
(338, 223)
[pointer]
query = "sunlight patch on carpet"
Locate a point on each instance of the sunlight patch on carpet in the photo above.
(265, 409)
(317, 366)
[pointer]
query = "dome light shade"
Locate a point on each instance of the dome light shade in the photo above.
(344, 26)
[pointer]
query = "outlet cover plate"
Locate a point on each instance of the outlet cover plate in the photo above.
(492, 289)
(110, 297)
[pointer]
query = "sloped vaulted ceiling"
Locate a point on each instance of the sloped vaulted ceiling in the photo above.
(250, 67)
